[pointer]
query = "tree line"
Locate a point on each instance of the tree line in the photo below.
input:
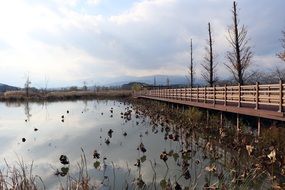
(239, 58)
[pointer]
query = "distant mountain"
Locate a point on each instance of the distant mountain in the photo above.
(5, 87)
(131, 84)
(160, 80)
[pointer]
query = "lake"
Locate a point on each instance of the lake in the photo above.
(133, 151)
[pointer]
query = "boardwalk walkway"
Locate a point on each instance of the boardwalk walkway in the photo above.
(262, 101)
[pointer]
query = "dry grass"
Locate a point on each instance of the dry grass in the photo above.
(20, 178)
(63, 95)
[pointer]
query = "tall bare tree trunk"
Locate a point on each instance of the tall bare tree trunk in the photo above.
(281, 55)
(191, 72)
(211, 56)
(237, 45)
(209, 66)
(191, 65)
(240, 56)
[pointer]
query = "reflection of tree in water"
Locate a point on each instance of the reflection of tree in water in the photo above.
(85, 102)
(27, 110)
(12, 104)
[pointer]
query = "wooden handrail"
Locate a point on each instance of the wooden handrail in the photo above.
(258, 94)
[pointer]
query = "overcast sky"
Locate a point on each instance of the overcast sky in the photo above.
(67, 42)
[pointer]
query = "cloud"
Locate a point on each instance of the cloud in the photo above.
(148, 37)
(93, 2)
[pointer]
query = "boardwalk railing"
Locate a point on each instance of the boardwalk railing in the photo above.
(258, 96)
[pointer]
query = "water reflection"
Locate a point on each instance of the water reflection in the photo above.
(27, 111)
(118, 146)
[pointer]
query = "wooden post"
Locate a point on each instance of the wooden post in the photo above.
(207, 118)
(187, 95)
(239, 94)
(198, 94)
(221, 119)
(205, 94)
(176, 93)
(237, 122)
(190, 94)
(258, 126)
(280, 96)
(166, 93)
(225, 103)
(214, 94)
(257, 96)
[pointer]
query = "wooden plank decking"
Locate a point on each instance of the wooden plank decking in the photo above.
(265, 101)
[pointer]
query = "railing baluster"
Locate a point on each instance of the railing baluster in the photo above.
(225, 98)
(214, 94)
(257, 96)
(190, 94)
(280, 96)
(239, 93)
(197, 94)
(205, 95)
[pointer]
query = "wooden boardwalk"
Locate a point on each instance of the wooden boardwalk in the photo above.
(262, 101)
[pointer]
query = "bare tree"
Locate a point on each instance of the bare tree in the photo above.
(84, 86)
(281, 55)
(167, 82)
(240, 56)
(154, 81)
(209, 66)
(191, 71)
(27, 86)
(46, 85)
(279, 74)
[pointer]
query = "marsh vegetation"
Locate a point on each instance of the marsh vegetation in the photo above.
(109, 144)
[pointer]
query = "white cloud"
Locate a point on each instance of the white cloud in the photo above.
(142, 11)
(93, 2)
(58, 39)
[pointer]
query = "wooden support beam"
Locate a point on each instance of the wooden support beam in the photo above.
(238, 122)
(208, 118)
(258, 126)
(221, 119)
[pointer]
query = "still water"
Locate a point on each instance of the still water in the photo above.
(66, 128)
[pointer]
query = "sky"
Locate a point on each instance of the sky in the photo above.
(66, 42)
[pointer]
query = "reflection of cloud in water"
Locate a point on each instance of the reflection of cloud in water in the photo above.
(55, 138)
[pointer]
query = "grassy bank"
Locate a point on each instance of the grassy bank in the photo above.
(63, 95)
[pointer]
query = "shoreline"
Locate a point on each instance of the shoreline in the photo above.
(20, 96)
